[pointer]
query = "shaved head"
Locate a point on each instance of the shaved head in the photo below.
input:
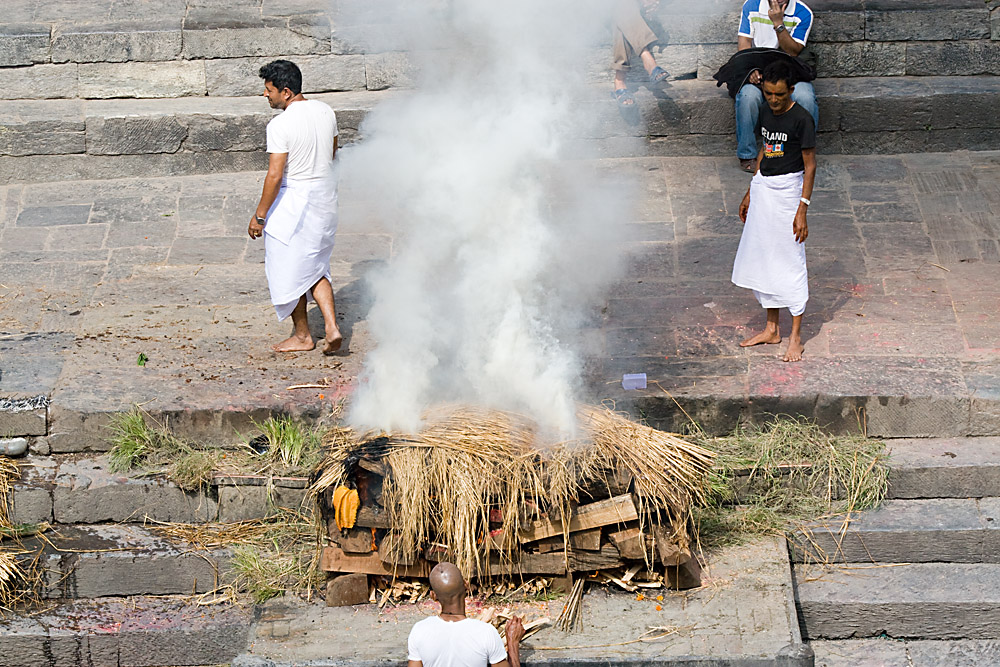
(447, 582)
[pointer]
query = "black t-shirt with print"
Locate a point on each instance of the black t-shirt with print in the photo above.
(784, 138)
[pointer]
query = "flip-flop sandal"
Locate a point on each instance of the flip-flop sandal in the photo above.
(658, 75)
(624, 98)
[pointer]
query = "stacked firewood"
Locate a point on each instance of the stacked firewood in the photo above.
(606, 535)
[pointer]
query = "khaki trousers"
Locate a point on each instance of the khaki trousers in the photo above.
(631, 34)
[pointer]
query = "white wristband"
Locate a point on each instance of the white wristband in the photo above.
(804, 201)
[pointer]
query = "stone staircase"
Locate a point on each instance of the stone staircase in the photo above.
(925, 565)
(101, 89)
(114, 590)
(96, 90)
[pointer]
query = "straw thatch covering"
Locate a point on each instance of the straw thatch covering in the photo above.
(474, 479)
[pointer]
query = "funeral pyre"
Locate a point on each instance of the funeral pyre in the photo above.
(482, 489)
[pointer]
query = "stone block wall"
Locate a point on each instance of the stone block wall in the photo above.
(186, 49)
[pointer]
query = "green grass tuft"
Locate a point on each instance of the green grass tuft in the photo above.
(134, 441)
(291, 444)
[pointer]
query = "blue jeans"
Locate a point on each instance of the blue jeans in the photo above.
(748, 103)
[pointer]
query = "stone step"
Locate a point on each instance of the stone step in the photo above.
(102, 139)
(921, 600)
(949, 530)
(73, 139)
(331, 72)
(187, 49)
(887, 652)
(857, 116)
(945, 468)
(91, 561)
(80, 489)
(125, 632)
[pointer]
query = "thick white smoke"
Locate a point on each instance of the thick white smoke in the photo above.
(502, 244)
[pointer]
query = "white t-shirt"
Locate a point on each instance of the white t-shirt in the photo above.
(466, 643)
(756, 23)
(305, 130)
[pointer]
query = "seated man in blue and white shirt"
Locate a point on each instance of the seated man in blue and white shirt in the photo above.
(775, 24)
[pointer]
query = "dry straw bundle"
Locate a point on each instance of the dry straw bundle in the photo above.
(469, 466)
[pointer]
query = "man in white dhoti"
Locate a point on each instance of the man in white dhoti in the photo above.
(771, 259)
(297, 212)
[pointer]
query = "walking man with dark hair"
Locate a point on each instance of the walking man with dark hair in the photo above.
(297, 212)
(451, 639)
(771, 259)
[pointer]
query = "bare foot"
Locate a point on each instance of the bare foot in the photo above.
(795, 349)
(333, 342)
(765, 337)
(295, 344)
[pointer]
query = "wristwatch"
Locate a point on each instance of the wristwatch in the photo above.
(780, 28)
(260, 221)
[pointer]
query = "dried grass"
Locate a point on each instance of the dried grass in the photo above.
(443, 482)
(269, 556)
(21, 575)
(9, 471)
(773, 478)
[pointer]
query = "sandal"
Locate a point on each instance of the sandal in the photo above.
(624, 98)
(658, 75)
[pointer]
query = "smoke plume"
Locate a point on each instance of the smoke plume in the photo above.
(502, 244)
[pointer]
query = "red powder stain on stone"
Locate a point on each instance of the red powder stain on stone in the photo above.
(780, 379)
(342, 391)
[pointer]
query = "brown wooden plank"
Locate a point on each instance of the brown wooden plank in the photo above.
(372, 516)
(335, 559)
(631, 543)
(669, 551)
(620, 509)
(584, 540)
(356, 540)
(555, 562)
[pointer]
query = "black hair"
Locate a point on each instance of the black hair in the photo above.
(778, 71)
(282, 74)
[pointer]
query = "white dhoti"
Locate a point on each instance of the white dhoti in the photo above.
(769, 260)
(298, 241)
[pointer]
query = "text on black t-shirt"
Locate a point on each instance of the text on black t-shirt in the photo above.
(784, 138)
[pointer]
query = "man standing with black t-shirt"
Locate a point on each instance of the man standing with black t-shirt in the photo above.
(771, 259)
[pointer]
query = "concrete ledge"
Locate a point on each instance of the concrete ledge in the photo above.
(196, 134)
(926, 600)
(134, 632)
(902, 531)
(86, 492)
(75, 489)
(124, 560)
(152, 127)
(945, 468)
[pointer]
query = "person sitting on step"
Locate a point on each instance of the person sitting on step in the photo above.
(632, 39)
(776, 24)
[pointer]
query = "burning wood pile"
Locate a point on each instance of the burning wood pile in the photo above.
(478, 488)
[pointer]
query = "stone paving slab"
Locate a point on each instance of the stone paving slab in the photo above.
(899, 334)
(124, 632)
(742, 616)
